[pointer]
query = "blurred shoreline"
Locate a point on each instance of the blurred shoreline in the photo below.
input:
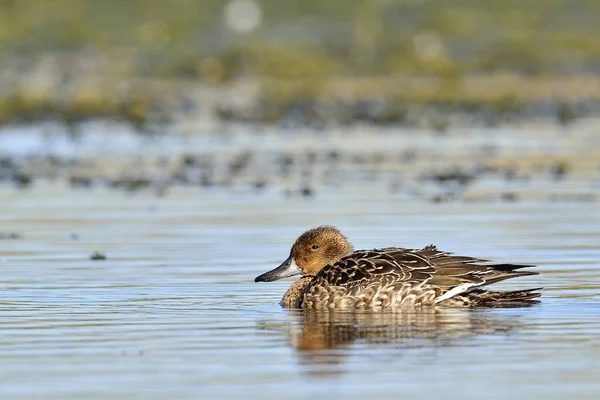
(74, 88)
(431, 64)
(302, 96)
(537, 162)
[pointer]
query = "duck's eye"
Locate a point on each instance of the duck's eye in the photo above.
(315, 246)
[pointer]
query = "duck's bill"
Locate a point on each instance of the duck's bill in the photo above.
(286, 269)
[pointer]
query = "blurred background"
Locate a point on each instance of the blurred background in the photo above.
(307, 62)
(215, 68)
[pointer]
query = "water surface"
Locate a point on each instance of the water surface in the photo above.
(174, 313)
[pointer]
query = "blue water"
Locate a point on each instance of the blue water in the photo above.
(174, 313)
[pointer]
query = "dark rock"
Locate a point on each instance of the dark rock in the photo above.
(559, 170)
(23, 180)
(10, 236)
(97, 256)
(307, 191)
(260, 184)
(80, 181)
(453, 176)
(509, 197)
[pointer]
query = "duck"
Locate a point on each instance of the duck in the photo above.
(335, 276)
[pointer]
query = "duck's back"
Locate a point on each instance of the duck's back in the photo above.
(395, 277)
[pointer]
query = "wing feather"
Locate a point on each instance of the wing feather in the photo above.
(448, 275)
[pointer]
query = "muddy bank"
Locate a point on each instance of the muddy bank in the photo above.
(74, 88)
(151, 106)
(535, 162)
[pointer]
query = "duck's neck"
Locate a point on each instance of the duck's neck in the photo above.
(293, 297)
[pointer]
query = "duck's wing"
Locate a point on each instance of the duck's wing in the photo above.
(449, 275)
(383, 266)
(456, 275)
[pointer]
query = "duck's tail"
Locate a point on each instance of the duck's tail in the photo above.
(515, 298)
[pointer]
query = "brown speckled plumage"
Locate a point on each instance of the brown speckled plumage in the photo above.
(294, 295)
(393, 278)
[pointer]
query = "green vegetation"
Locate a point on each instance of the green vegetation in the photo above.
(298, 51)
(365, 37)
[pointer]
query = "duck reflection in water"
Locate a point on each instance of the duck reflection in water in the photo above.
(323, 337)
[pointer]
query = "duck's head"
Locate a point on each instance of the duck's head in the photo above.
(312, 251)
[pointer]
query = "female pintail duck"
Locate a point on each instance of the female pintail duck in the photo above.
(335, 276)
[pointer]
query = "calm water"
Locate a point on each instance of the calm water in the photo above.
(174, 312)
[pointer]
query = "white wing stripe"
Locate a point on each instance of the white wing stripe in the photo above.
(456, 290)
